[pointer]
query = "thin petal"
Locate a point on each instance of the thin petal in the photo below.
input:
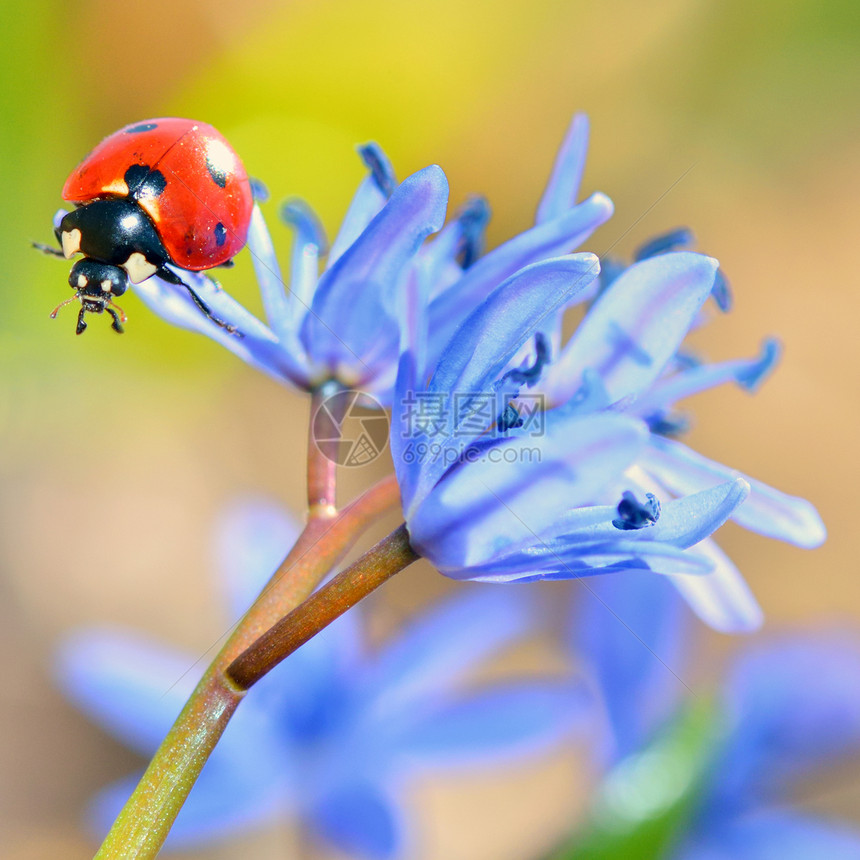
(635, 327)
(256, 345)
(567, 171)
(496, 726)
(749, 373)
(553, 561)
(309, 243)
(722, 599)
(766, 511)
(629, 629)
(558, 236)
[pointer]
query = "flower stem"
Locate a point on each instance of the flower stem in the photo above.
(322, 470)
(389, 556)
(145, 820)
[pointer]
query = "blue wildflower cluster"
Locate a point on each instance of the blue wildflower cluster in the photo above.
(519, 457)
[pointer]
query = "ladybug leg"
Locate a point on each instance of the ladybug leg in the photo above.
(165, 274)
(81, 326)
(116, 325)
(227, 264)
(48, 249)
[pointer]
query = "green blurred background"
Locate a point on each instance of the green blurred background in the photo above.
(117, 454)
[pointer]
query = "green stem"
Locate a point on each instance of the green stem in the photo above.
(144, 822)
(389, 556)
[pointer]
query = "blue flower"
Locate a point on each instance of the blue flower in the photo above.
(333, 734)
(344, 323)
(507, 506)
(792, 704)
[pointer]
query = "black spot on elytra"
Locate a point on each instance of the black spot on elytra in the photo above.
(220, 234)
(219, 176)
(144, 126)
(143, 182)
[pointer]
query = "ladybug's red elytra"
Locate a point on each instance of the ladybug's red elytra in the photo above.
(155, 192)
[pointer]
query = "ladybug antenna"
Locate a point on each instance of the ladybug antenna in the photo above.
(62, 305)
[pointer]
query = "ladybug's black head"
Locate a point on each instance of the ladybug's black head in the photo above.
(95, 285)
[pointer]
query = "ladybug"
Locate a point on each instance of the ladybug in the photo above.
(163, 192)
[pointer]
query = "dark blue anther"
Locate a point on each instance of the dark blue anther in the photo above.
(685, 360)
(297, 214)
(472, 218)
(633, 514)
(530, 375)
(752, 377)
(509, 419)
(674, 240)
(721, 292)
(667, 424)
(259, 191)
(379, 166)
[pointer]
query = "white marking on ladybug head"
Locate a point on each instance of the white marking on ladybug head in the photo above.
(139, 268)
(82, 281)
(106, 285)
(71, 240)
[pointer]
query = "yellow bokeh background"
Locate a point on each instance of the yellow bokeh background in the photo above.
(116, 455)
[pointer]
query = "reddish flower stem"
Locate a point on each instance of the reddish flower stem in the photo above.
(389, 556)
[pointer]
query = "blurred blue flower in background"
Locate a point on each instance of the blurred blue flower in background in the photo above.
(344, 324)
(788, 705)
(332, 735)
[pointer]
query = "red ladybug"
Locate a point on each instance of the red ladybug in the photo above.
(155, 192)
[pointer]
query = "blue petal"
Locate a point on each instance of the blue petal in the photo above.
(796, 703)
(495, 726)
(253, 538)
(722, 599)
(131, 686)
(629, 630)
(479, 352)
(361, 819)
(283, 312)
(432, 654)
(777, 835)
(558, 236)
(567, 171)
(766, 511)
(749, 373)
(309, 242)
(256, 346)
(497, 328)
(553, 560)
(490, 505)
(635, 327)
(683, 522)
(356, 303)
(365, 206)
